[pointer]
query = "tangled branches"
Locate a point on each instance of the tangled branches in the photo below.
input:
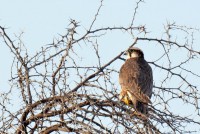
(61, 90)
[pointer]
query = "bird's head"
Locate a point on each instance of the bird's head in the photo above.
(134, 52)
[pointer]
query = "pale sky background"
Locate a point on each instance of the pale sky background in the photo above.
(43, 20)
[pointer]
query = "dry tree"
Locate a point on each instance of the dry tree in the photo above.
(62, 91)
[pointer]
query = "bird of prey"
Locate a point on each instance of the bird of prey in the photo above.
(136, 80)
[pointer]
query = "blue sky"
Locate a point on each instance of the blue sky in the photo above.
(42, 21)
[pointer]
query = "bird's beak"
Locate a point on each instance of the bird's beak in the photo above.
(125, 53)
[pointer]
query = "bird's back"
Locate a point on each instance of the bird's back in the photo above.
(136, 72)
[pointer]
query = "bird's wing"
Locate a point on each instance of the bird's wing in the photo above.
(145, 79)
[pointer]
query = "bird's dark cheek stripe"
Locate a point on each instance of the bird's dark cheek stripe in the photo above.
(129, 54)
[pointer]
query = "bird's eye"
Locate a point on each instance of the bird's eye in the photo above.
(131, 50)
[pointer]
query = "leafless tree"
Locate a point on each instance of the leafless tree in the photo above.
(60, 91)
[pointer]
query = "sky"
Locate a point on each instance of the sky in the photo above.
(42, 21)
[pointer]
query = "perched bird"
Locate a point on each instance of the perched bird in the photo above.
(136, 80)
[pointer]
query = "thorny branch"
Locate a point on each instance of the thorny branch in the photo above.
(60, 93)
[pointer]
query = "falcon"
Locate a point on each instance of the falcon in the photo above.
(136, 80)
